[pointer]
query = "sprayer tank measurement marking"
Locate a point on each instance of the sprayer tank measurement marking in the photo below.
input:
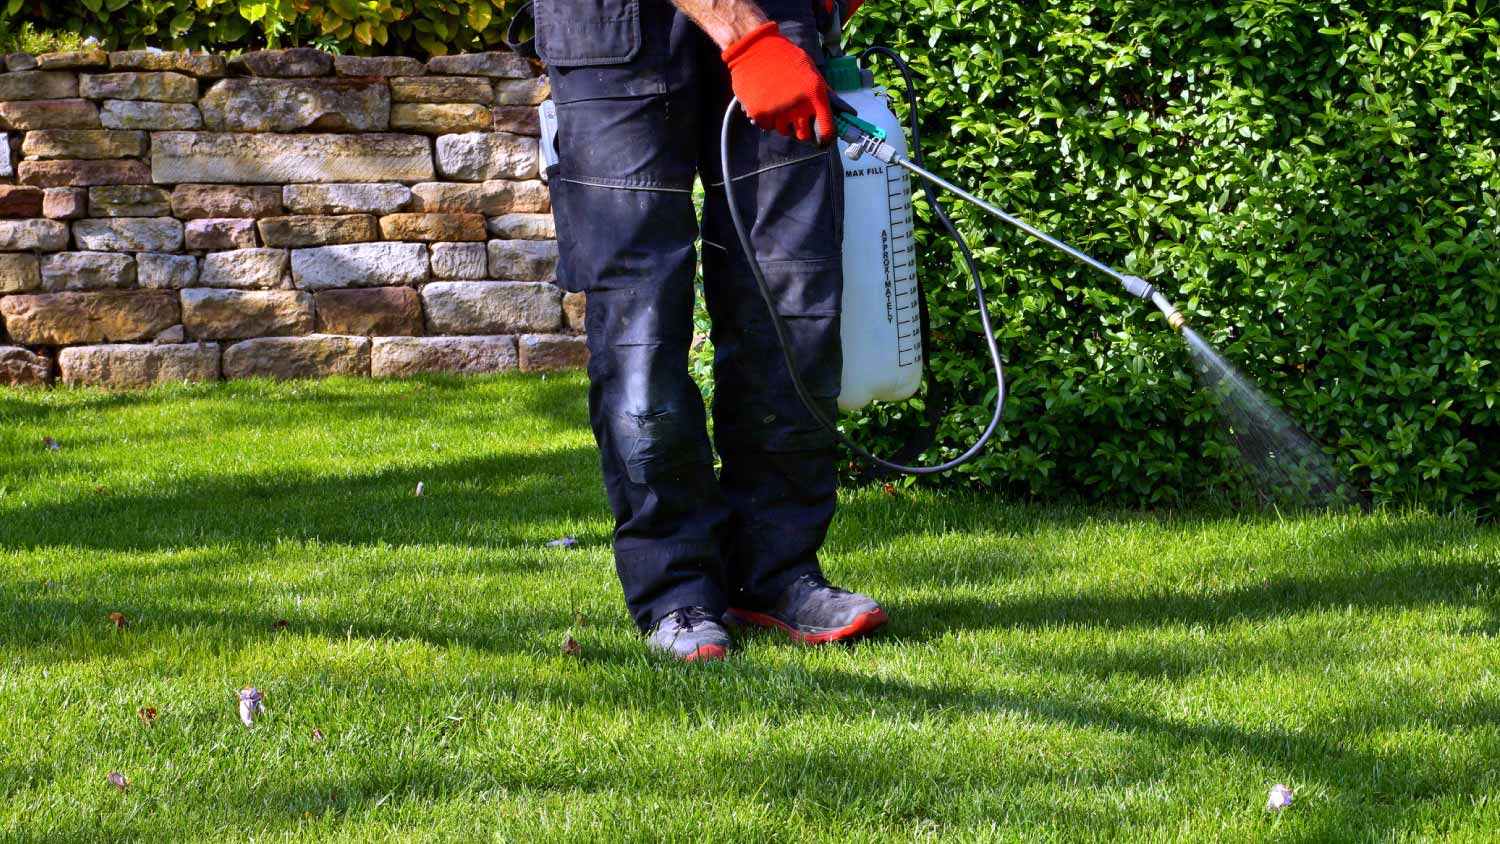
(903, 269)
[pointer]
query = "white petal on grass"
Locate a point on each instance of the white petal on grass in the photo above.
(1280, 798)
(250, 705)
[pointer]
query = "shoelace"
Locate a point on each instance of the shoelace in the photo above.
(689, 618)
(816, 581)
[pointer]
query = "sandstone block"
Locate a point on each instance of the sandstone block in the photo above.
(396, 356)
(291, 105)
(22, 368)
(155, 117)
(73, 59)
(283, 64)
(523, 260)
(481, 156)
(82, 174)
(217, 234)
(246, 269)
(346, 199)
(575, 308)
(545, 352)
(65, 203)
(195, 202)
(372, 311)
(84, 143)
(172, 336)
(433, 228)
(38, 85)
(20, 272)
(232, 314)
(19, 202)
(315, 356)
(200, 65)
(166, 272)
(33, 236)
(302, 231)
(523, 227)
(178, 157)
(87, 271)
(65, 319)
(460, 261)
(129, 201)
(488, 198)
(530, 197)
(501, 65)
(16, 62)
(491, 307)
(133, 365)
(518, 120)
(381, 66)
(130, 234)
(157, 87)
(30, 115)
(529, 92)
(360, 265)
(437, 89)
(441, 118)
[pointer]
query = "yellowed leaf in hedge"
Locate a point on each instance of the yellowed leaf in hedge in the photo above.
(362, 33)
(480, 15)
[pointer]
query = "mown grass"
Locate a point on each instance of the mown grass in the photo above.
(1050, 674)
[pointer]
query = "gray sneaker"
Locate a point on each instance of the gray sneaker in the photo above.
(814, 612)
(690, 634)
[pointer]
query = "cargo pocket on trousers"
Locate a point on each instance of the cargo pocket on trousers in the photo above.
(565, 211)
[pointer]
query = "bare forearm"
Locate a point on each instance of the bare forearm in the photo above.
(725, 21)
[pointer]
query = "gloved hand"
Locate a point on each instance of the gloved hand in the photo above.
(778, 84)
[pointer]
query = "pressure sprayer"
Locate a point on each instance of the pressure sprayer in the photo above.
(884, 313)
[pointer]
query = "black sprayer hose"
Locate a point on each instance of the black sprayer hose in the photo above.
(783, 334)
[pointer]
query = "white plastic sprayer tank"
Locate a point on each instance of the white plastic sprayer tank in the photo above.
(882, 324)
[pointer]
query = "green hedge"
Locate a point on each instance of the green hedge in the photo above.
(390, 27)
(1314, 183)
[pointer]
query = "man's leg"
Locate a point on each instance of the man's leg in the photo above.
(622, 197)
(778, 464)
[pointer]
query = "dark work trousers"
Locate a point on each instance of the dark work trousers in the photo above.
(640, 93)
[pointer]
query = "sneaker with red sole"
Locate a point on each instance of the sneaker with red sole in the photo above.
(690, 634)
(813, 612)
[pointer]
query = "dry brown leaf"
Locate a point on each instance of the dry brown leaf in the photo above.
(118, 780)
(280, 624)
(317, 734)
(570, 647)
(147, 714)
(118, 619)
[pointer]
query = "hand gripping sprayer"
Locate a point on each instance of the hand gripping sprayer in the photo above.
(884, 313)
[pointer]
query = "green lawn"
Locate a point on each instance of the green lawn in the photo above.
(1050, 674)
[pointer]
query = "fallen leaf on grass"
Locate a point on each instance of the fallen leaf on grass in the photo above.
(889, 489)
(101, 490)
(565, 542)
(317, 734)
(570, 647)
(118, 780)
(147, 714)
(51, 444)
(251, 705)
(280, 624)
(420, 487)
(1281, 797)
(118, 618)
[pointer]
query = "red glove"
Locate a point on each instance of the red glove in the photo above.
(778, 84)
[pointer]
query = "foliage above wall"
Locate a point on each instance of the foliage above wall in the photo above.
(410, 27)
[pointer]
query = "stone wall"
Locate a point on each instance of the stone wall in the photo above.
(166, 217)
